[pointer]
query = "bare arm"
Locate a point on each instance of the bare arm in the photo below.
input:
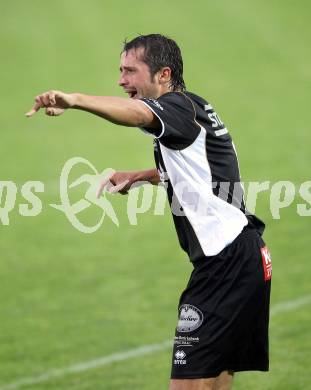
(122, 182)
(122, 111)
(150, 175)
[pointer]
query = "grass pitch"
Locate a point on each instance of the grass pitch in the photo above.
(68, 297)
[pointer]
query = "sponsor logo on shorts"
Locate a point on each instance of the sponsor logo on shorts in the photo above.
(180, 357)
(190, 318)
(185, 341)
(266, 261)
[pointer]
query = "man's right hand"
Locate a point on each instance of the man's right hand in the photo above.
(54, 102)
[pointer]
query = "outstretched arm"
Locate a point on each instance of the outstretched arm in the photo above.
(122, 111)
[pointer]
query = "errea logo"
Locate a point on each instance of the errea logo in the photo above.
(180, 355)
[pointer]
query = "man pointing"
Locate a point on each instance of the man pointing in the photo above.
(223, 313)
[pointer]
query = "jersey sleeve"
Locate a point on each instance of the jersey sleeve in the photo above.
(176, 114)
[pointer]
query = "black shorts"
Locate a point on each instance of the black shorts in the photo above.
(224, 312)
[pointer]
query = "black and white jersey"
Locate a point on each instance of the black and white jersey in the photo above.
(197, 162)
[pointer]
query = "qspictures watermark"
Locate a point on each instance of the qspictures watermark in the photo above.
(141, 199)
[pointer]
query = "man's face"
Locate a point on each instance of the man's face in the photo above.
(135, 76)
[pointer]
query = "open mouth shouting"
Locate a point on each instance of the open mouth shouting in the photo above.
(132, 93)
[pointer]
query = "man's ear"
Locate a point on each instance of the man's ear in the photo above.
(165, 75)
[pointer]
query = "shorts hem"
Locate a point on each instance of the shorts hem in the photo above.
(214, 374)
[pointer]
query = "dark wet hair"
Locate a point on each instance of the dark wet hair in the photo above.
(160, 51)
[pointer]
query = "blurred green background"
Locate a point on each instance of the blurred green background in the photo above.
(68, 297)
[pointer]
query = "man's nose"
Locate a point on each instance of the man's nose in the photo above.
(122, 81)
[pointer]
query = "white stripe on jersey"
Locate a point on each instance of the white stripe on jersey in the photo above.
(162, 124)
(215, 222)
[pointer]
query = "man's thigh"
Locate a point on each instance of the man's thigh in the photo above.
(222, 382)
